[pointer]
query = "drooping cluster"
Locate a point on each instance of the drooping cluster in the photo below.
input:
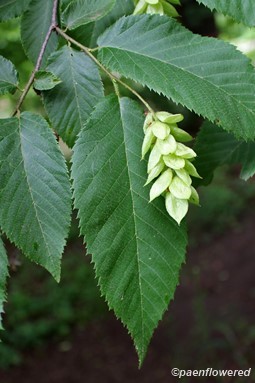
(170, 163)
(160, 7)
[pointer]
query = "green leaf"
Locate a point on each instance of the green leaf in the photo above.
(80, 12)
(8, 76)
(45, 80)
(65, 3)
(3, 276)
(71, 102)
(35, 201)
(35, 24)
(206, 75)
(136, 247)
(240, 10)
(214, 148)
(88, 34)
(12, 8)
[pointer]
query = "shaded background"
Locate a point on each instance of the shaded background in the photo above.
(65, 333)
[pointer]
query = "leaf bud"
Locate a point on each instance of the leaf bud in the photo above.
(160, 130)
(155, 172)
(140, 7)
(161, 184)
(184, 176)
(167, 146)
(148, 121)
(160, 7)
(149, 138)
(176, 208)
(169, 10)
(155, 9)
(194, 198)
(180, 134)
(180, 189)
(184, 151)
(153, 2)
(173, 161)
(191, 169)
(169, 118)
(154, 158)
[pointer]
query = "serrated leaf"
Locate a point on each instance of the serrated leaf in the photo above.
(240, 10)
(8, 76)
(214, 148)
(136, 247)
(65, 3)
(71, 102)
(3, 276)
(35, 201)
(80, 12)
(35, 24)
(88, 34)
(206, 75)
(12, 8)
(45, 80)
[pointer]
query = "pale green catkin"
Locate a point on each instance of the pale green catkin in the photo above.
(169, 163)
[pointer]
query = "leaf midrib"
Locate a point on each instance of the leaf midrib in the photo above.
(136, 231)
(8, 83)
(31, 194)
(9, 3)
(74, 88)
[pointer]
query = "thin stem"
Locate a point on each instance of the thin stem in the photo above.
(116, 88)
(52, 27)
(93, 49)
(112, 77)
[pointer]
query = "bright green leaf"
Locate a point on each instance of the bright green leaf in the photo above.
(136, 247)
(71, 102)
(35, 201)
(8, 76)
(3, 276)
(240, 10)
(80, 12)
(206, 75)
(12, 8)
(45, 80)
(34, 27)
(215, 147)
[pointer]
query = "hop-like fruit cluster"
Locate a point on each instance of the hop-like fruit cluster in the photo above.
(160, 7)
(170, 163)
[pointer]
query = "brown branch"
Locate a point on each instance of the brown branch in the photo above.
(52, 27)
(112, 77)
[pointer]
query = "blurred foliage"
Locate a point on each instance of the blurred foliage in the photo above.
(218, 335)
(221, 205)
(39, 309)
(11, 48)
(238, 34)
